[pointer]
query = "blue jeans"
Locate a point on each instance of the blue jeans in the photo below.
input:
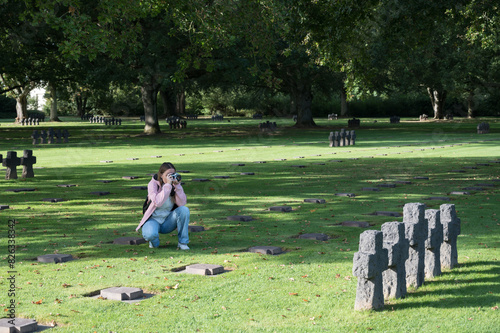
(178, 219)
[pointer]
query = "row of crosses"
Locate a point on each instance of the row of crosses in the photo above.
(403, 254)
(11, 162)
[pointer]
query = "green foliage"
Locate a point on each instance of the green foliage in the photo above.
(7, 107)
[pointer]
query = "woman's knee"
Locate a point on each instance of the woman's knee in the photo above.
(182, 211)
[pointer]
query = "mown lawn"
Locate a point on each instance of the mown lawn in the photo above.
(309, 288)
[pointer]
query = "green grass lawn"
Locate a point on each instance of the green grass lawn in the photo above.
(310, 288)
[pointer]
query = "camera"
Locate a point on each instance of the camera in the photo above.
(175, 176)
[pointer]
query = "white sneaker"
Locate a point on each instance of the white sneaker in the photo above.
(151, 245)
(182, 246)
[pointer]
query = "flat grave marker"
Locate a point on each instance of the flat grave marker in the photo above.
(387, 213)
(438, 198)
(204, 269)
(130, 177)
(55, 258)
(272, 250)
(241, 218)
(459, 193)
(23, 189)
(20, 325)
(314, 200)
(66, 185)
(53, 199)
(357, 224)
(2, 207)
(105, 181)
(129, 241)
(374, 189)
(281, 208)
(350, 195)
(121, 293)
(100, 193)
(314, 236)
(200, 180)
(196, 228)
(247, 173)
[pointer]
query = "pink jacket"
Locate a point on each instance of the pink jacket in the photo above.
(158, 195)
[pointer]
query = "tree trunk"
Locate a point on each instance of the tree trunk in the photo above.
(180, 106)
(53, 104)
(302, 95)
(343, 102)
(22, 106)
(149, 96)
(470, 104)
(437, 100)
(81, 103)
(169, 102)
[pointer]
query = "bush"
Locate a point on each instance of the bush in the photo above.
(7, 107)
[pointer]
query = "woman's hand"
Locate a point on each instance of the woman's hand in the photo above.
(166, 178)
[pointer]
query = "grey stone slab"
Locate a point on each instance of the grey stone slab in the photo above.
(122, 293)
(387, 213)
(129, 241)
(483, 164)
(473, 188)
(281, 208)
(2, 207)
(486, 184)
(459, 193)
(298, 166)
(374, 189)
(421, 178)
(314, 200)
(266, 250)
(280, 159)
(18, 325)
(53, 199)
(394, 278)
(387, 185)
(238, 164)
(350, 195)
(54, 258)
(200, 180)
(156, 156)
(204, 269)
(403, 182)
(130, 177)
(356, 224)
(416, 229)
(24, 189)
(196, 228)
(242, 218)
(66, 185)
(105, 181)
(458, 171)
(132, 158)
(222, 177)
(470, 167)
(139, 187)
(314, 236)
(260, 162)
(247, 173)
(106, 161)
(336, 161)
(100, 193)
(183, 171)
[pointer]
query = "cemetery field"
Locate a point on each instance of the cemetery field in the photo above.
(308, 288)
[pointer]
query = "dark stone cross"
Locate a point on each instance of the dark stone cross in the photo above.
(43, 137)
(51, 134)
(451, 230)
(65, 135)
(368, 264)
(11, 162)
(27, 162)
(433, 243)
(35, 135)
(416, 233)
(394, 277)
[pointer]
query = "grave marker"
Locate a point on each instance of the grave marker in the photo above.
(21, 325)
(196, 228)
(368, 264)
(281, 208)
(242, 218)
(121, 293)
(350, 195)
(266, 250)
(204, 269)
(314, 236)
(433, 243)
(416, 233)
(55, 258)
(11, 162)
(394, 278)
(129, 241)
(451, 230)
(320, 201)
(27, 162)
(357, 224)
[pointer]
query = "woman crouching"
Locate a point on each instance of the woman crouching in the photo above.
(167, 210)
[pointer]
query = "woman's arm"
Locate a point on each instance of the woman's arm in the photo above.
(158, 196)
(180, 196)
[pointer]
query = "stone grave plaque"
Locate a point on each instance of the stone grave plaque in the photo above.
(53, 199)
(247, 173)
(222, 177)
(129, 241)
(183, 171)
(266, 250)
(107, 161)
(404, 182)
(320, 201)
(238, 164)
(350, 195)
(281, 208)
(422, 178)
(121, 293)
(387, 185)
(130, 177)
(486, 184)
(20, 325)
(139, 187)
(459, 193)
(374, 189)
(242, 218)
(2, 207)
(386, 213)
(280, 159)
(104, 181)
(298, 166)
(66, 185)
(261, 162)
(20, 190)
(357, 224)
(336, 161)
(132, 158)
(196, 228)
(200, 180)
(457, 171)
(482, 164)
(54, 258)
(314, 236)
(470, 167)
(156, 156)
(100, 193)
(204, 269)
(473, 188)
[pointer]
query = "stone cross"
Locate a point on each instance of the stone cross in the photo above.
(27, 162)
(58, 135)
(368, 264)
(43, 137)
(11, 162)
(35, 136)
(51, 136)
(416, 233)
(451, 230)
(65, 135)
(394, 277)
(342, 138)
(353, 138)
(433, 243)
